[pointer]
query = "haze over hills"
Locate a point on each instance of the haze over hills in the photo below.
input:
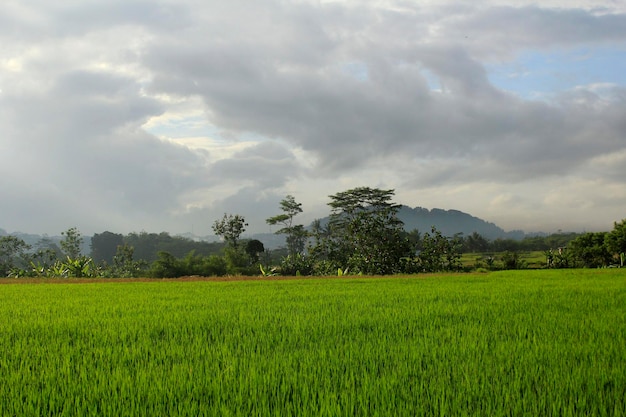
(448, 222)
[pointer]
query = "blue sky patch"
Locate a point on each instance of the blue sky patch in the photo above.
(537, 73)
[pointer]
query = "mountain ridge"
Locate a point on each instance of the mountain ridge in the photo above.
(451, 222)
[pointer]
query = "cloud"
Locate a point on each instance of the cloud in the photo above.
(166, 113)
(349, 121)
(264, 165)
(77, 151)
(502, 30)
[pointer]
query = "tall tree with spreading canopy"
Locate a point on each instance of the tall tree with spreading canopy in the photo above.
(296, 235)
(366, 236)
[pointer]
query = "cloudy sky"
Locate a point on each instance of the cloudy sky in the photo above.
(161, 115)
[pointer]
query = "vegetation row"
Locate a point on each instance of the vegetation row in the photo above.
(362, 236)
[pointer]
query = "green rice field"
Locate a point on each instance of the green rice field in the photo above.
(511, 343)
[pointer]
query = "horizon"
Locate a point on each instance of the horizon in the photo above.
(248, 233)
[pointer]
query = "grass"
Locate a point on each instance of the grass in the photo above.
(511, 343)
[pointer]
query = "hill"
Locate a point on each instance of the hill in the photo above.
(451, 222)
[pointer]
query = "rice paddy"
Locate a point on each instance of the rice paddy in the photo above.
(511, 343)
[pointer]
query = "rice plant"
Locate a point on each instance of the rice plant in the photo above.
(512, 343)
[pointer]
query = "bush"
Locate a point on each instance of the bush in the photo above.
(325, 268)
(297, 264)
(166, 266)
(214, 266)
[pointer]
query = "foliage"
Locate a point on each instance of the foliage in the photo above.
(166, 266)
(104, 246)
(590, 250)
(80, 267)
(238, 262)
(475, 243)
(230, 228)
(439, 253)
(325, 267)
(190, 265)
(511, 260)
(213, 265)
(124, 266)
(267, 271)
(539, 343)
(13, 255)
(616, 239)
(295, 265)
(320, 245)
(364, 233)
(296, 235)
(253, 248)
(71, 243)
(47, 251)
(148, 245)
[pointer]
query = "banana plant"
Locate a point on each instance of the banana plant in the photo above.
(268, 273)
(58, 269)
(37, 269)
(16, 272)
(80, 267)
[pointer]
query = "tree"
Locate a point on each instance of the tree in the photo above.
(230, 227)
(616, 240)
(47, 250)
(439, 253)
(148, 245)
(365, 234)
(166, 266)
(511, 260)
(476, 243)
(253, 248)
(13, 254)
(589, 250)
(124, 266)
(71, 242)
(296, 235)
(104, 246)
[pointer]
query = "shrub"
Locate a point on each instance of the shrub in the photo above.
(297, 264)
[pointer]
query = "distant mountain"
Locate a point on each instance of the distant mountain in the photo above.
(451, 222)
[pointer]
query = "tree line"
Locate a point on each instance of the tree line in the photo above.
(362, 235)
